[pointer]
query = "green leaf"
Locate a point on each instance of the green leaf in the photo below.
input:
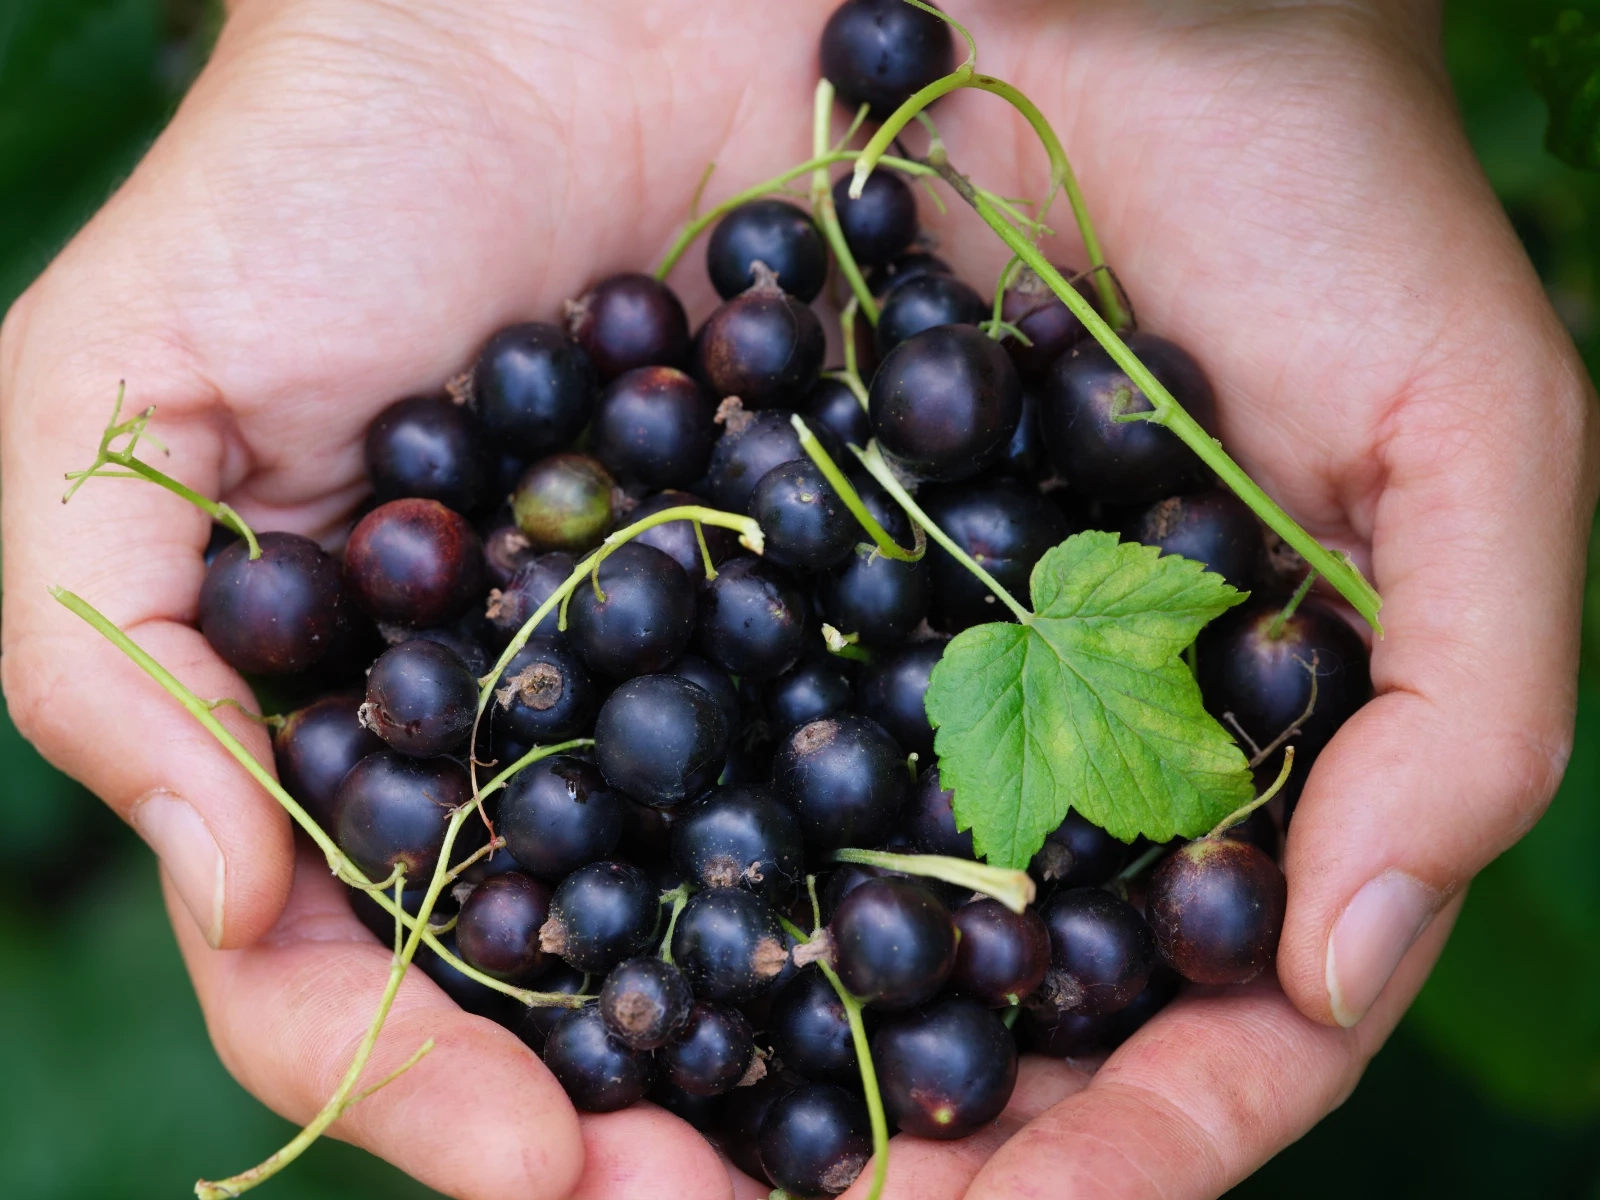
(1565, 68)
(1088, 706)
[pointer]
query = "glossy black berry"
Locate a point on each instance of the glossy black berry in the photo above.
(1122, 462)
(892, 693)
(713, 1053)
(1002, 955)
(815, 1140)
(564, 502)
(315, 748)
(558, 814)
(740, 837)
(831, 405)
(1101, 952)
(601, 914)
(809, 1030)
(653, 428)
(945, 402)
(498, 929)
(677, 538)
(763, 346)
(533, 1024)
(774, 232)
(391, 809)
(895, 942)
(752, 619)
(275, 614)
(739, 1123)
(715, 680)
(599, 1073)
(845, 778)
(661, 739)
(627, 321)
(729, 945)
(1044, 320)
(431, 447)
(880, 52)
(752, 443)
(533, 389)
(926, 302)
(1006, 527)
(1214, 528)
(645, 1003)
(414, 562)
(459, 638)
(882, 223)
(946, 1069)
(905, 268)
(421, 698)
(806, 525)
(1079, 1035)
(545, 694)
(930, 819)
(1078, 854)
(880, 598)
(642, 619)
(816, 688)
(1216, 907)
(534, 582)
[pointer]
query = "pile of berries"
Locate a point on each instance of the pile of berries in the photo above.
(679, 861)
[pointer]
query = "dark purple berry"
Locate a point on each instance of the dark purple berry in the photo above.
(545, 695)
(273, 615)
(533, 1024)
(601, 914)
(677, 538)
(599, 1073)
(628, 321)
(930, 819)
(763, 346)
(1044, 320)
(815, 1140)
(421, 698)
(752, 619)
(498, 930)
(414, 563)
(645, 1003)
(895, 942)
(431, 447)
(729, 945)
(1214, 528)
(815, 689)
(1002, 955)
(558, 814)
(506, 550)
(925, 302)
(845, 778)
(642, 618)
(533, 389)
(1078, 854)
(751, 445)
(809, 1030)
(881, 52)
(947, 1069)
(830, 405)
(713, 1053)
(653, 428)
(535, 582)
(661, 739)
(315, 748)
(882, 223)
(773, 232)
(806, 525)
(392, 810)
(1216, 907)
(892, 693)
(1006, 527)
(740, 837)
(1101, 952)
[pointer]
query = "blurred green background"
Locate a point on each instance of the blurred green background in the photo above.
(108, 1087)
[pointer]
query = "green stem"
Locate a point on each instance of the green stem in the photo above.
(1014, 889)
(1139, 865)
(1239, 814)
(527, 760)
(1275, 630)
(844, 645)
(824, 209)
(886, 545)
(852, 370)
(679, 897)
(872, 458)
(869, 1082)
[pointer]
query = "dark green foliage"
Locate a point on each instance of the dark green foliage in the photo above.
(1565, 67)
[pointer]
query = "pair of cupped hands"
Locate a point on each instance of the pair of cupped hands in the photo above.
(356, 193)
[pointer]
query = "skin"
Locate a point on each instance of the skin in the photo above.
(355, 194)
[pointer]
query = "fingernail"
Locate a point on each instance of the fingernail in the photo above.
(178, 835)
(1370, 938)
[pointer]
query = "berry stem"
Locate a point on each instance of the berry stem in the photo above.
(851, 374)
(1141, 864)
(527, 760)
(1014, 889)
(1262, 753)
(1239, 814)
(824, 209)
(886, 545)
(705, 550)
(872, 458)
(1275, 630)
(869, 1082)
(844, 645)
(679, 896)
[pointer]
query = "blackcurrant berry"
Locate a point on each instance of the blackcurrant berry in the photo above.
(533, 389)
(677, 538)
(315, 748)
(391, 809)
(1101, 952)
(895, 941)
(642, 618)
(809, 1030)
(535, 582)
(752, 619)
(831, 405)
(1078, 854)
(558, 814)
(739, 1126)
(273, 615)
(1214, 528)
(925, 302)
(882, 599)
(882, 223)
(729, 945)
(1079, 1035)
(905, 268)
(1006, 527)
(945, 402)
(815, 1140)
(653, 428)
(947, 1069)
(564, 502)
(627, 321)
(428, 446)
(533, 1024)
(459, 638)
(545, 695)
(1122, 462)
(892, 692)
(506, 550)
(1216, 907)
(468, 993)
(601, 914)
(740, 837)
(773, 232)
(751, 445)
(814, 689)
(599, 1073)
(414, 563)
(1025, 452)
(713, 1053)
(845, 778)
(661, 739)
(1002, 955)
(715, 680)
(806, 525)
(930, 819)
(421, 698)
(645, 1003)
(1044, 320)
(881, 52)
(498, 929)
(763, 346)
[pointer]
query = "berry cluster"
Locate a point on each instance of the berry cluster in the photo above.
(618, 689)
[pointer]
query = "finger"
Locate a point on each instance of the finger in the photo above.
(646, 1153)
(1198, 1099)
(479, 1116)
